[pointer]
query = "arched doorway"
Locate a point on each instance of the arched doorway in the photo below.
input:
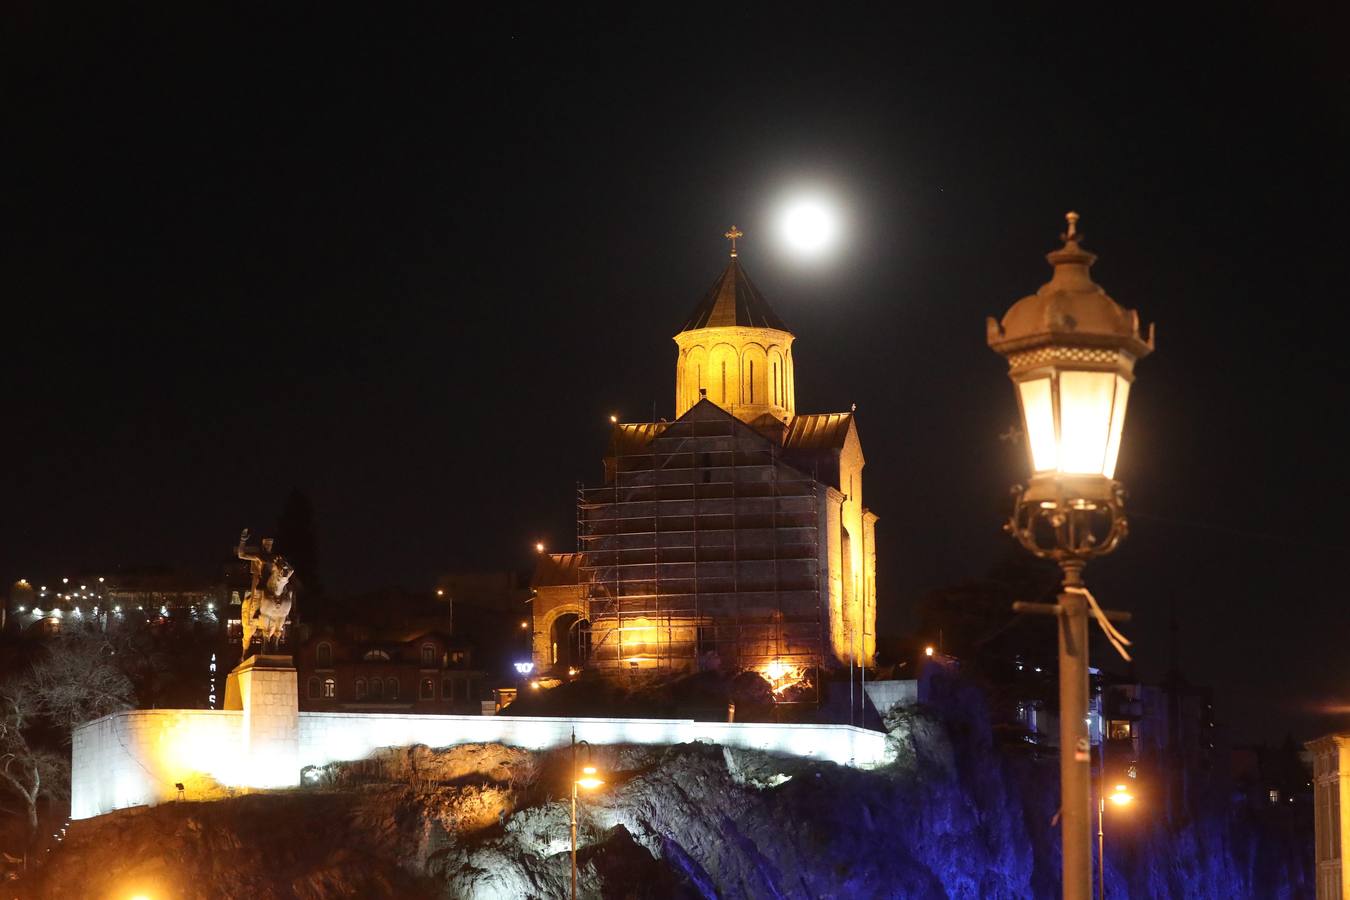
(570, 641)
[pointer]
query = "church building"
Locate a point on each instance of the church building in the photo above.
(734, 537)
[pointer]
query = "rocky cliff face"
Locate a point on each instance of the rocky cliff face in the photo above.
(953, 817)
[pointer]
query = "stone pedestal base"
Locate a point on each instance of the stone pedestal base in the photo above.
(264, 688)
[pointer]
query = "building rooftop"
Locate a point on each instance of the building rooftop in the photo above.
(733, 300)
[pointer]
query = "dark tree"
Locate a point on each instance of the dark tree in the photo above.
(296, 542)
(74, 681)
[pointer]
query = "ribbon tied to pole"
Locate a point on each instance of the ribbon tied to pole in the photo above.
(1118, 640)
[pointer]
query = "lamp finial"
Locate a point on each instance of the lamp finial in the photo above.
(1072, 235)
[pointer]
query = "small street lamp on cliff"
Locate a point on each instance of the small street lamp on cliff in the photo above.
(589, 782)
(1071, 351)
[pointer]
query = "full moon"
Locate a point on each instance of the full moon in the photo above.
(809, 226)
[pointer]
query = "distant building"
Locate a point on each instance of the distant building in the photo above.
(153, 596)
(734, 537)
(1331, 809)
(353, 669)
(1162, 734)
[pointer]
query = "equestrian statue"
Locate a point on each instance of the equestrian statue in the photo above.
(270, 595)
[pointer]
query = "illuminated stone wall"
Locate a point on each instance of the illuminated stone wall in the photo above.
(135, 758)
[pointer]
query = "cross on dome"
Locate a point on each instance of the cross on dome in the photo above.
(733, 234)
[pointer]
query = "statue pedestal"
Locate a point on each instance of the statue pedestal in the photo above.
(264, 688)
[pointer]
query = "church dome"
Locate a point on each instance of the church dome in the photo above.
(733, 300)
(735, 351)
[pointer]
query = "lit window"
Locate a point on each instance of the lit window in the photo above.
(1274, 795)
(428, 689)
(323, 655)
(1120, 730)
(457, 658)
(329, 688)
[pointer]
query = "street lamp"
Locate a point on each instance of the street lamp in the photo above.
(590, 782)
(1121, 796)
(1071, 351)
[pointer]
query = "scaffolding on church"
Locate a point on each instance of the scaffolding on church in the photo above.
(702, 551)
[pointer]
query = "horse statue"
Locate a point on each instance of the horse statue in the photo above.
(265, 609)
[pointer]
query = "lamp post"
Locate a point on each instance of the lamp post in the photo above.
(1071, 351)
(1120, 797)
(589, 782)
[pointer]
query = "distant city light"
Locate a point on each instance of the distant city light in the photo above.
(440, 592)
(524, 624)
(538, 546)
(928, 651)
(614, 420)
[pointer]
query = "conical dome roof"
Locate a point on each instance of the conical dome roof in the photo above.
(733, 300)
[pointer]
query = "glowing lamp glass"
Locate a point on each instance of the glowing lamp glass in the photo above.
(1121, 797)
(589, 783)
(1073, 420)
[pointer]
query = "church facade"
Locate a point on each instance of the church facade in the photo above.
(734, 537)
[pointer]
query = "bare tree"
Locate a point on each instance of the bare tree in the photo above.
(29, 773)
(74, 681)
(77, 680)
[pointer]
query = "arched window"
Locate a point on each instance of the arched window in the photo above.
(360, 689)
(314, 689)
(428, 689)
(392, 685)
(376, 689)
(376, 656)
(752, 381)
(428, 655)
(329, 688)
(323, 655)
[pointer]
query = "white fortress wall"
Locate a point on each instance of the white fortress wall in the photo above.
(135, 758)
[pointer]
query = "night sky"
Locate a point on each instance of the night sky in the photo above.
(412, 266)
